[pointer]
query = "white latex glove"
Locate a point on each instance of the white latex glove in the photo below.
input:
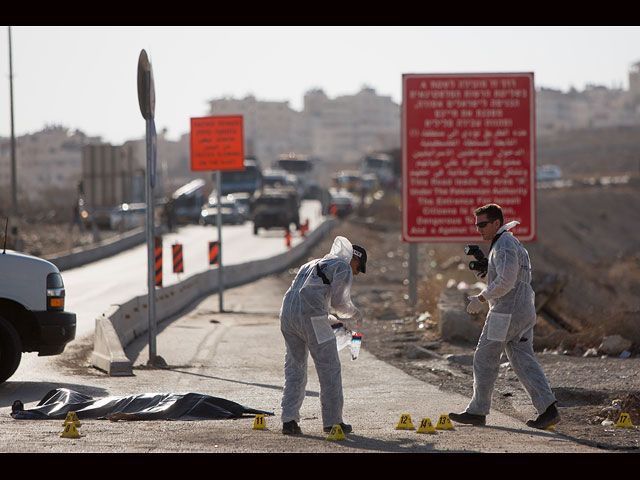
(475, 305)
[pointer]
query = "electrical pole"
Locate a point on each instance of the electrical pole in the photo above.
(14, 181)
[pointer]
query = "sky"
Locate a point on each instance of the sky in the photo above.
(85, 78)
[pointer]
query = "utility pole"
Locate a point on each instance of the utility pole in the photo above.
(14, 181)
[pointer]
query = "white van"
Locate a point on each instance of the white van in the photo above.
(32, 315)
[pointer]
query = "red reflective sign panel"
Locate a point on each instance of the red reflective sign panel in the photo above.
(217, 143)
(467, 140)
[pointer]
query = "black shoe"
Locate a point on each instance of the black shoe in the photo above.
(291, 428)
(17, 406)
(345, 428)
(468, 418)
(547, 419)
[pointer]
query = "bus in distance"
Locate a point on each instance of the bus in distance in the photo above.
(248, 180)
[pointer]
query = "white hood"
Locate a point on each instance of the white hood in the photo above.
(341, 248)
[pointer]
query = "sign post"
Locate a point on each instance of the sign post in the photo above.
(467, 140)
(147, 101)
(217, 144)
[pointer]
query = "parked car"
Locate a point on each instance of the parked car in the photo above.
(228, 209)
(342, 203)
(243, 201)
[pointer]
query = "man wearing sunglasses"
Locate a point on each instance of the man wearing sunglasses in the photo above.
(508, 326)
(304, 321)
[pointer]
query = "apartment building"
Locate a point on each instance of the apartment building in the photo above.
(339, 129)
(48, 161)
(344, 128)
(270, 128)
(594, 107)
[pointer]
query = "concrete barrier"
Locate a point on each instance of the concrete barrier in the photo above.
(120, 325)
(454, 323)
(106, 248)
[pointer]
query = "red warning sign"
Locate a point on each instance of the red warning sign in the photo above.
(158, 257)
(217, 143)
(178, 263)
(214, 251)
(467, 140)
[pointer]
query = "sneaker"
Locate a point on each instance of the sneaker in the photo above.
(547, 419)
(468, 418)
(345, 428)
(291, 428)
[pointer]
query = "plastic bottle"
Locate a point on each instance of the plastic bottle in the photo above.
(343, 336)
(356, 341)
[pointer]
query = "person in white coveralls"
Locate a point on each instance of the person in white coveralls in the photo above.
(320, 285)
(508, 326)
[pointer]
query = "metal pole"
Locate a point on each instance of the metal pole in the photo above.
(14, 179)
(413, 273)
(151, 284)
(219, 220)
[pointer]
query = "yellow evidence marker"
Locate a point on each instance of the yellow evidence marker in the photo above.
(70, 431)
(405, 423)
(336, 433)
(259, 423)
(71, 417)
(444, 423)
(624, 420)
(426, 426)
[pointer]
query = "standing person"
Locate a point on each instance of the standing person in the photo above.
(304, 322)
(508, 326)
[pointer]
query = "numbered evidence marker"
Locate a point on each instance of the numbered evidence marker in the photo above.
(405, 423)
(258, 423)
(444, 423)
(336, 433)
(71, 417)
(624, 420)
(70, 431)
(426, 426)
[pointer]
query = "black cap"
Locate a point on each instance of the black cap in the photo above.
(361, 254)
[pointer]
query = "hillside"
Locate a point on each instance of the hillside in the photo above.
(589, 237)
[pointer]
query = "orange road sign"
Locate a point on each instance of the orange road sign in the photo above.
(217, 143)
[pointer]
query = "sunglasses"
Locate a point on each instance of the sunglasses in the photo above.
(484, 224)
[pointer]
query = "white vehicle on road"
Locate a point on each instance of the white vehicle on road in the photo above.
(32, 316)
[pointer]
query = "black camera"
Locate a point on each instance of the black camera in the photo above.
(481, 263)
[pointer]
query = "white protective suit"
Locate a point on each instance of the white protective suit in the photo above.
(508, 326)
(305, 325)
